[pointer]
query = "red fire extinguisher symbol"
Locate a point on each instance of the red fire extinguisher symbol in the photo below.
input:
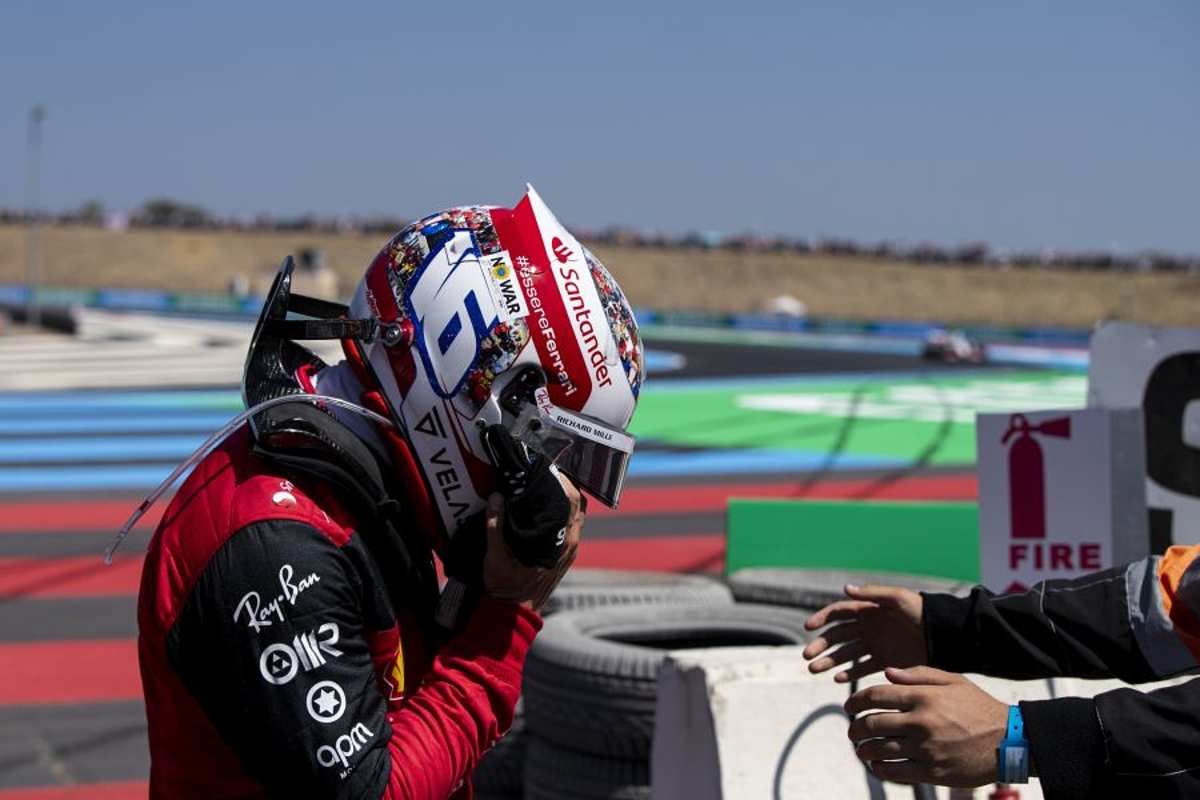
(1027, 474)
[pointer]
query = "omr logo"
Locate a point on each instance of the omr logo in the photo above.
(561, 251)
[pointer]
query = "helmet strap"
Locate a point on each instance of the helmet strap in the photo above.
(395, 441)
(407, 471)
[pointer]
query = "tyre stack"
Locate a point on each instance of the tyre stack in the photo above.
(591, 686)
(585, 722)
(501, 773)
(812, 588)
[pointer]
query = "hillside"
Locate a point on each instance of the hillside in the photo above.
(660, 278)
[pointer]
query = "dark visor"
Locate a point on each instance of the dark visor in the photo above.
(594, 455)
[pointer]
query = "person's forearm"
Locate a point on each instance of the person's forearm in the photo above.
(464, 704)
(1059, 628)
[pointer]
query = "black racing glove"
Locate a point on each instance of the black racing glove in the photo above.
(536, 508)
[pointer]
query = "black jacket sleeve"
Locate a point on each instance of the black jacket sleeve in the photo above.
(1121, 744)
(273, 645)
(1124, 744)
(1076, 628)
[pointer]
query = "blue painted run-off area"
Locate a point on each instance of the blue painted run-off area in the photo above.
(128, 441)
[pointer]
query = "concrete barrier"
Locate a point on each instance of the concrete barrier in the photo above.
(60, 319)
(734, 723)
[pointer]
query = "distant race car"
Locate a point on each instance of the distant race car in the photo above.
(953, 347)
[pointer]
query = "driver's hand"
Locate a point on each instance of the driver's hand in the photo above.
(506, 577)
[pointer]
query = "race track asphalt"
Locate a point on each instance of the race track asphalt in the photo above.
(71, 718)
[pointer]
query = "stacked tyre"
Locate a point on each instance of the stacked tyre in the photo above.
(812, 588)
(591, 683)
(586, 718)
(501, 773)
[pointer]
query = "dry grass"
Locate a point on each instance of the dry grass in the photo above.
(665, 279)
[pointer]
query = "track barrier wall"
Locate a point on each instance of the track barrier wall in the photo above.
(939, 539)
(249, 305)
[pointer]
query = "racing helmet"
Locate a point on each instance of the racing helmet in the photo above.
(503, 317)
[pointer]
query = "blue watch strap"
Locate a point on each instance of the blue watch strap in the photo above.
(1016, 723)
(1012, 757)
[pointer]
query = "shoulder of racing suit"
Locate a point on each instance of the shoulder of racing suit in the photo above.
(256, 570)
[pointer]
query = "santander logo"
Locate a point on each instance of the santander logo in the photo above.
(561, 251)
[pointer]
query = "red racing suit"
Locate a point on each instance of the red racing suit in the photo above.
(1138, 623)
(277, 662)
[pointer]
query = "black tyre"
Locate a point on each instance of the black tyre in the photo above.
(591, 677)
(812, 588)
(555, 773)
(501, 770)
(591, 588)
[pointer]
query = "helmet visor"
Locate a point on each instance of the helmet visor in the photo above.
(592, 453)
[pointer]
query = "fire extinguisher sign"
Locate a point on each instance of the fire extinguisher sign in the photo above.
(1060, 494)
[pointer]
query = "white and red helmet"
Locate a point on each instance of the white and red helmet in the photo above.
(508, 320)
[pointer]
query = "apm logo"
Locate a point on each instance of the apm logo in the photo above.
(345, 747)
(561, 251)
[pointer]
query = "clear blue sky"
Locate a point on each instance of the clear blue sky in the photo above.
(1024, 124)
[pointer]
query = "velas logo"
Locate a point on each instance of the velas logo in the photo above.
(561, 251)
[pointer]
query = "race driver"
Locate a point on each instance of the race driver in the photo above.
(340, 597)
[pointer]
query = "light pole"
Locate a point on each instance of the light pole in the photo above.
(33, 246)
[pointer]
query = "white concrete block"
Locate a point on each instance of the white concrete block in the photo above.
(752, 722)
